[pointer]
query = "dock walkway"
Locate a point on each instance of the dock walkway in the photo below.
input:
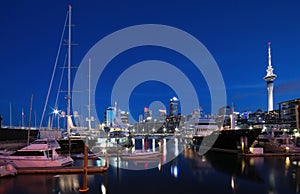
(61, 170)
(281, 154)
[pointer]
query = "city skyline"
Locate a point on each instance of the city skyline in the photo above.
(236, 33)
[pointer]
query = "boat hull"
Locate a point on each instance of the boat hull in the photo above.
(140, 155)
(31, 162)
(232, 141)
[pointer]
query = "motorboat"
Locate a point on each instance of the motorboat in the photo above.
(111, 145)
(205, 126)
(276, 142)
(40, 153)
(140, 154)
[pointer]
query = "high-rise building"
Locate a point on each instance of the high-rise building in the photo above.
(147, 114)
(289, 112)
(270, 77)
(124, 117)
(109, 116)
(174, 106)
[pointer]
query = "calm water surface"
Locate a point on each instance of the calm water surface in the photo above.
(187, 173)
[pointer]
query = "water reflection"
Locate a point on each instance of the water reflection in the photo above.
(235, 165)
(169, 149)
(28, 184)
(187, 172)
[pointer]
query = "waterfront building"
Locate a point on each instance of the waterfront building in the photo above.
(289, 113)
(223, 118)
(124, 117)
(269, 78)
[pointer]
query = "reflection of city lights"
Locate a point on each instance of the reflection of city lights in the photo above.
(243, 146)
(272, 180)
(287, 161)
(153, 145)
(232, 184)
(133, 143)
(243, 166)
(176, 153)
(98, 162)
(68, 183)
(174, 171)
(294, 163)
(159, 166)
(103, 189)
(251, 161)
(165, 147)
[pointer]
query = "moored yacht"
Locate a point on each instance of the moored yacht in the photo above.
(40, 153)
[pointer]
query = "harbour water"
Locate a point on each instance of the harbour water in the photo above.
(189, 172)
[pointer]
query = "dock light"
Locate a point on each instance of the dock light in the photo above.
(287, 149)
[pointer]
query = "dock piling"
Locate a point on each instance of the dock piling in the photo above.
(85, 188)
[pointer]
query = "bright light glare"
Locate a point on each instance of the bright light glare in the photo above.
(55, 111)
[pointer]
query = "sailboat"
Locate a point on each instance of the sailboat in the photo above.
(76, 137)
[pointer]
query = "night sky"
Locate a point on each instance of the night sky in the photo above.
(235, 33)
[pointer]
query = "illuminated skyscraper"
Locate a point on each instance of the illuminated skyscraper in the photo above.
(109, 116)
(270, 77)
(147, 113)
(174, 106)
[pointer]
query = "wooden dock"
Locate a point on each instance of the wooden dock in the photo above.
(62, 170)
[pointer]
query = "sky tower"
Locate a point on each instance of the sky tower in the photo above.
(270, 77)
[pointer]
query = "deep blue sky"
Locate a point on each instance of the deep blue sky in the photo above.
(235, 32)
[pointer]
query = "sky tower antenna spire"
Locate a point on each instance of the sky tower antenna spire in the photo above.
(269, 78)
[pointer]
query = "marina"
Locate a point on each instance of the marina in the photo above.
(186, 173)
(157, 121)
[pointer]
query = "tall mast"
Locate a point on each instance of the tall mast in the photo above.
(89, 105)
(69, 72)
